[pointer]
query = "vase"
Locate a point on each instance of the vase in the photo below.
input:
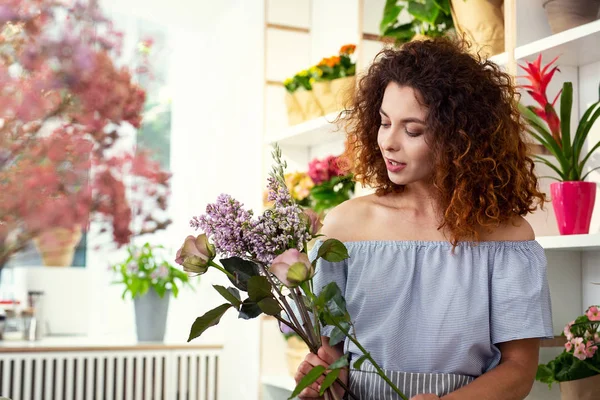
(57, 245)
(309, 104)
(331, 94)
(481, 23)
(573, 203)
(567, 14)
(581, 389)
(151, 316)
(295, 353)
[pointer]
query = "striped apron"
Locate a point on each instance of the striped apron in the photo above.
(367, 385)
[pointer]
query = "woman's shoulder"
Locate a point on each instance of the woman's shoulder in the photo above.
(343, 222)
(517, 229)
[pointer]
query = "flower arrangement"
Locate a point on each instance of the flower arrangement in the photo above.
(332, 187)
(63, 104)
(554, 132)
(266, 258)
(580, 358)
(144, 269)
(299, 185)
(339, 66)
(427, 17)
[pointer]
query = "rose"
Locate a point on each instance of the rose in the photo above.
(195, 254)
(292, 268)
(312, 221)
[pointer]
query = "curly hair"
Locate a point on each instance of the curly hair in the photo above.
(483, 171)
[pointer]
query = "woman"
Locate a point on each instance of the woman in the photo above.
(445, 283)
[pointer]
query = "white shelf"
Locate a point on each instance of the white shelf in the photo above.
(317, 131)
(576, 46)
(279, 381)
(571, 242)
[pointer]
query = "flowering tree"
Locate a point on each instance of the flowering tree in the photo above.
(63, 105)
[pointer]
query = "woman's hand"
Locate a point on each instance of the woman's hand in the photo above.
(325, 357)
(425, 397)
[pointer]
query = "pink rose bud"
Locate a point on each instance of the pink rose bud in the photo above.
(292, 268)
(195, 254)
(313, 221)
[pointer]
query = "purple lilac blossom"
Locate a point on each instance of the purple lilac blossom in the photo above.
(226, 223)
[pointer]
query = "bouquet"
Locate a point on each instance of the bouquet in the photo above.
(332, 186)
(580, 358)
(266, 259)
(143, 270)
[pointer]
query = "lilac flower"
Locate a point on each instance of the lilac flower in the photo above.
(227, 223)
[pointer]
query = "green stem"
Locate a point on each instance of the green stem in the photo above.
(377, 367)
(217, 266)
(592, 368)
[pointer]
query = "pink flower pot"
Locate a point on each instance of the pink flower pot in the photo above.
(573, 204)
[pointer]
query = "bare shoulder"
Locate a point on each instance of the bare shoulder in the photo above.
(517, 229)
(343, 222)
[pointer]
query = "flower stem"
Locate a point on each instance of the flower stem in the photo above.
(377, 367)
(217, 266)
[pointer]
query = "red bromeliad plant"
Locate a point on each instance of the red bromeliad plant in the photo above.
(63, 105)
(554, 132)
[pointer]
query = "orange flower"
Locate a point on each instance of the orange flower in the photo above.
(348, 49)
(333, 61)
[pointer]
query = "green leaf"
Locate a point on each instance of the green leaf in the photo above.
(589, 172)
(329, 380)
(402, 33)
(229, 296)
(337, 335)
(333, 250)
(308, 380)
(549, 164)
(566, 104)
(331, 297)
(443, 5)
(269, 306)
(241, 269)
(259, 288)
(358, 363)
(390, 15)
(545, 375)
(588, 155)
(340, 362)
(583, 128)
(426, 12)
(211, 318)
(249, 310)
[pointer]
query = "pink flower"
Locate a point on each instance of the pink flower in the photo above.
(580, 351)
(593, 313)
(569, 346)
(313, 220)
(590, 350)
(292, 268)
(195, 254)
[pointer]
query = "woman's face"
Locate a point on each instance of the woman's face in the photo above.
(403, 134)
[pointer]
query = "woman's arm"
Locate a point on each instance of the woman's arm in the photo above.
(512, 379)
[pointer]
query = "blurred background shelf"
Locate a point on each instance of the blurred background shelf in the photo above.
(310, 133)
(589, 242)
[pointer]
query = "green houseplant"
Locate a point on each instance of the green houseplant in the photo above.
(572, 198)
(577, 368)
(428, 17)
(150, 280)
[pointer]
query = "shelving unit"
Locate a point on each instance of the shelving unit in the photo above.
(315, 132)
(589, 242)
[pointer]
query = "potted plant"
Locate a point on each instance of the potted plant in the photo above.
(577, 368)
(64, 102)
(430, 18)
(567, 14)
(572, 198)
(300, 100)
(150, 281)
(335, 77)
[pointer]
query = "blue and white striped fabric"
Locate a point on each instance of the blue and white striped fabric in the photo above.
(419, 308)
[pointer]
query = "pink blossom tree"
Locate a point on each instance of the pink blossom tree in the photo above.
(63, 103)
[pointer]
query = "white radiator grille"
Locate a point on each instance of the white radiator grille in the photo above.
(100, 375)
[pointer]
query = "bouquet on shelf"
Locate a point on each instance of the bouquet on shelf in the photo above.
(323, 187)
(144, 269)
(580, 359)
(319, 90)
(266, 259)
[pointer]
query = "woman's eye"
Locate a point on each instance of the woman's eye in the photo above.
(412, 134)
(384, 125)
